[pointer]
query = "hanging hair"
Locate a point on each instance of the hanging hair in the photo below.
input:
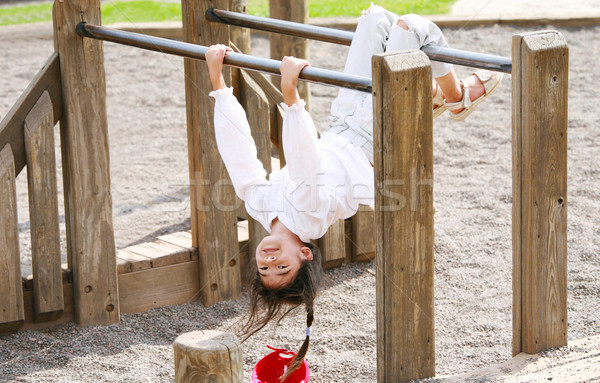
(267, 304)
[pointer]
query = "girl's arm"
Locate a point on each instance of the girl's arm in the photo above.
(214, 58)
(290, 70)
(232, 131)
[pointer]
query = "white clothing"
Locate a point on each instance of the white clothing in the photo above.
(377, 32)
(324, 179)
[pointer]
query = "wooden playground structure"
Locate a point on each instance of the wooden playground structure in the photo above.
(211, 261)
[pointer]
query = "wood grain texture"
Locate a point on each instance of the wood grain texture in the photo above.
(281, 45)
(208, 356)
(213, 203)
(363, 234)
(43, 210)
(12, 313)
(11, 127)
(333, 245)
(255, 102)
(86, 170)
(403, 146)
(540, 102)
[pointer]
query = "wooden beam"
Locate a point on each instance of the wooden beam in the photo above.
(363, 234)
(213, 203)
(86, 172)
(11, 127)
(43, 210)
(403, 146)
(540, 100)
(12, 315)
(281, 45)
(333, 245)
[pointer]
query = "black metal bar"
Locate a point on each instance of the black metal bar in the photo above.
(337, 36)
(240, 60)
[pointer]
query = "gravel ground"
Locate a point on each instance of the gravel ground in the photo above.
(146, 112)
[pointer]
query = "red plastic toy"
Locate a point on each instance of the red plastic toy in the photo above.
(270, 368)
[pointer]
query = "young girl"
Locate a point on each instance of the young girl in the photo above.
(326, 178)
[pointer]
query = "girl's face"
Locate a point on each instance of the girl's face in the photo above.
(278, 259)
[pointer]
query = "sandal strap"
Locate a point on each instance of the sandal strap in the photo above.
(485, 76)
(438, 99)
(462, 104)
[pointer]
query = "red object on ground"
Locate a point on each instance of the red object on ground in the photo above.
(270, 368)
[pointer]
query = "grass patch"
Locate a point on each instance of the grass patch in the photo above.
(145, 11)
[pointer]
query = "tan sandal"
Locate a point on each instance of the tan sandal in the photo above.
(439, 106)
(490, 81)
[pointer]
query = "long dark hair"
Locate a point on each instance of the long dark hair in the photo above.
(267, 304)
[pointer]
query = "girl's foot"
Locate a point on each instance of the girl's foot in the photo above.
(475, 89)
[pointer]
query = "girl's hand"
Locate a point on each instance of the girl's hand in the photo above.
(290, 70)
(214, 58)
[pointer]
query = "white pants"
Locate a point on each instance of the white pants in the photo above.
(377, 32)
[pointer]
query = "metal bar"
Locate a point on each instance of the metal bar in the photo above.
(240, 60)
(337, 36)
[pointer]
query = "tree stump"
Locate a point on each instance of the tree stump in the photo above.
(208, 356)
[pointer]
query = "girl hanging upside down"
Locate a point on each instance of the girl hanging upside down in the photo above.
(326, 178)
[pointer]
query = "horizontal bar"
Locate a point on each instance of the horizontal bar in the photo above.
(337, 36)
(240, 60)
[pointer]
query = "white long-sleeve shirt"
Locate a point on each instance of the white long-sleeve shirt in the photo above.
(324, 179)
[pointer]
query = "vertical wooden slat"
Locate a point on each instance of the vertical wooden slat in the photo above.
(12, 313)
(403, 145)
(333, 245)
(43, 211)
(281, 45)
(84, 141)
(256, 104)
(213, 203)
(540, 100)
(363, 234)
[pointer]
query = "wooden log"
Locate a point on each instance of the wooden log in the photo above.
(208, 356)
(403, 146)
(282, 45)
(11, 127)
(213, 203)
(12, 314)
(363, 234)
(333, 245)
(43, 211)
(540, 99)
(86, 172)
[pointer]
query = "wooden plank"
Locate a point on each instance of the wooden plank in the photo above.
(540, 101)
(333, 245)
(43, 210)
(403, 141)
(11, 127)
(161, 253)
(212, 198)
(282, 45)
(132, 261)
(86, 172)
(142, 290)
(255, 102)
(363, 234)
(12, 315)
(181, 238)
(65, 316)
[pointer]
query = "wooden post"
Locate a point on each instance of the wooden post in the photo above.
(208, 356)
(84, 139)
(281, 45)
(48, 301)
(257, 106)
(12, 313)
(213, 203)
(540, 98)
(403, 146)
